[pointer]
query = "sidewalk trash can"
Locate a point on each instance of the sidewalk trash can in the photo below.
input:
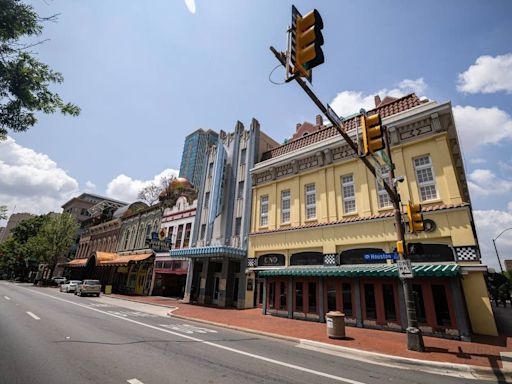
(335, 321)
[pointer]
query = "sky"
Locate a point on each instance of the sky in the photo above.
(147, 73)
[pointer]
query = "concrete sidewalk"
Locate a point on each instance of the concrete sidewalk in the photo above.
(483, 352)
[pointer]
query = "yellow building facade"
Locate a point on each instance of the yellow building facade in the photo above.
(322, 232)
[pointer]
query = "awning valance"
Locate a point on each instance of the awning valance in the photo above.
(125, 259)
(375, 270)
(222, 250)
(74, 263)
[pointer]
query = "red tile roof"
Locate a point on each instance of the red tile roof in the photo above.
(432, 208)
(385, 109)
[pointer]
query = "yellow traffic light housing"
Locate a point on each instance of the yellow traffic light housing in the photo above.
(373, 139)
(415, 218)
(306, 42)
(400, 247)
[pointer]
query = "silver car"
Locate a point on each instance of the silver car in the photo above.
(89, 287)
(70, 286)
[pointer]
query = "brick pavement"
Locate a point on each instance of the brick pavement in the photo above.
(483, 351)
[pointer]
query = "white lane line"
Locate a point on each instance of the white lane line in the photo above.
(134, 381)
(7, 298)
(215, 345)
(34, 316)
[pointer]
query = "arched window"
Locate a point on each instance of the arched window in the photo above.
(126, 238)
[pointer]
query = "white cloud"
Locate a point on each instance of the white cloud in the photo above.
(191, 5)
(483, 182)
(477, 160)
(488, 75)
(31, 181)
(350, 102)
(477, 126)
(90, 186)
(125, 188)
(489, 224)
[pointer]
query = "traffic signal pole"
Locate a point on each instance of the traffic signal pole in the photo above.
(414, 335)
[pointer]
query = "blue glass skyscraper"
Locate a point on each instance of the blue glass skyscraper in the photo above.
(194, 152)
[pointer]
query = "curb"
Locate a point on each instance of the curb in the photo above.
(437, 367)
(171, 307)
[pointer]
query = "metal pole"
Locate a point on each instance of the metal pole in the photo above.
(414, 334)
(497, 255)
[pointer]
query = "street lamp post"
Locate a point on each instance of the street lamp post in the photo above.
(496, 249)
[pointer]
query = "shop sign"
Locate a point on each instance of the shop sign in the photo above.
(271, 260)
(358, 256)
(381, 256)
(307, 258)
(430, 253)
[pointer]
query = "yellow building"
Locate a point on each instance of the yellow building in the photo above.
(322, 233)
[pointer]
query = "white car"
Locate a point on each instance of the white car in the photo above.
(70, 286)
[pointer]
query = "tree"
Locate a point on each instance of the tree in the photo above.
(151, 192)
(55, 238)
(3, 212)
(24, 80)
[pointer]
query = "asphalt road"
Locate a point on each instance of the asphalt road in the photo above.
(52, 337)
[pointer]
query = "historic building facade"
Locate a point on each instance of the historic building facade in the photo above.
(322, 226)
(170, 273)
(218, 256)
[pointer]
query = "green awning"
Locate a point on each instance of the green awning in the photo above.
(379, 270)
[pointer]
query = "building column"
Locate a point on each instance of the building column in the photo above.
(358, 308)
(321, 299)
(460, 310)
(188, 282)
(290, 298)
(264, 293)
(223, 282)
(203, 280)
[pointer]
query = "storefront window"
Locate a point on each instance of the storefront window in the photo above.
(271, 294)
(282, 295)
(299, 297)
(369, 298)
(441, 305)
(347, 299)
(420, 304)
(389, 302)
(312, 297)
(331, 295)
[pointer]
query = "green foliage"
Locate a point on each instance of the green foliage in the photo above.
(29, 228)
(24, 80)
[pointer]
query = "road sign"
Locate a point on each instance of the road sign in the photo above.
(404, 269)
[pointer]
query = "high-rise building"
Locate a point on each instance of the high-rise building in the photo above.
(14, 220)
(194, 152)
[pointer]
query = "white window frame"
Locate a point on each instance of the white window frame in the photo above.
(264, 211)
(349, 201)
(310, 207)
(286, 196)
(425, 187)
(384, 201)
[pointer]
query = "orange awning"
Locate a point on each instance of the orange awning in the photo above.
(124, 260)
(75, 263)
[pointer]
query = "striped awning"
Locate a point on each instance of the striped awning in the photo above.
(223, 250)
(375, 270)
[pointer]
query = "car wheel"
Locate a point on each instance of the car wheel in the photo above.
(97, 295)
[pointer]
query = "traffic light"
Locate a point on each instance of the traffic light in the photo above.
(415, 218)
(306, 42)
(373, 139)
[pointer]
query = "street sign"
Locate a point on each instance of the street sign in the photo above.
(334, 116)
(404, 269)
(381, 256)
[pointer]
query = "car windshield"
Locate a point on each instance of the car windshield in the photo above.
(92, 282)
(75, 282)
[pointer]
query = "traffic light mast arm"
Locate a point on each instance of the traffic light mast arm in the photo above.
(391, 192)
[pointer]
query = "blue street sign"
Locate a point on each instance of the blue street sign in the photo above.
(381, 256)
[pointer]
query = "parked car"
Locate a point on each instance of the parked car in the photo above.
(70, 286)
(58, 280)
(88, 287)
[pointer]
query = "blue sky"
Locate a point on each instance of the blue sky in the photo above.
(147, 73)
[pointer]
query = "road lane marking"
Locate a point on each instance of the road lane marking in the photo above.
(7, 298)
(134, 381)
(209, 343)
(187, 328)
(34, 316)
